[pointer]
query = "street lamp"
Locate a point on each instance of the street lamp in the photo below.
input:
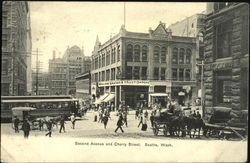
(202, 85)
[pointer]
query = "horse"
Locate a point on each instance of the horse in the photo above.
(194, 123)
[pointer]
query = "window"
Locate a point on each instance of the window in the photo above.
(223, 39)
(144, 53)
(156, 54)
(175, 56)
(144, 73)
(114, 55)
(4, 67)
(163, 55)
(113, 74)
(108, 58)
(129, 54)
(103, 75)
(100, 61)
(245, 35)
(118, 53)
(136, 73)
(137, 53)
(181, 56)
(187, 75)
(181, 74)
(156, 73)
(128, 72)
(223, 87)
(188, 56)
(103, 60)
(107, 75)
(174, 74)
(163, 73)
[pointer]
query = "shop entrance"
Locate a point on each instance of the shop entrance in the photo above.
(136, 96)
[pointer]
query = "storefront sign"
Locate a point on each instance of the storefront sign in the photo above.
(134, 83)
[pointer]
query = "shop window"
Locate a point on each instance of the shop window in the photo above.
(128, 72)
(244, 90)
(137, 52)
(144, 53)
(163, 73)
(188, 56)
(175, 56)
(181, 74)
(223, 87)
(136, 73)
(223, 39)
(156, 73)
(144, 73)
(4, 67)
(181, 56)
(156, 54)
(163, 55)
(129, 54)
(118, 53)
(174, 74)
(187, 74)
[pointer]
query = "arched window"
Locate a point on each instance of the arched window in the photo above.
(129, 54)
(144, 53)
(163, 55)
(156, 54)
(137, 52)
(181, 56)
(175, 56)
(188, 56)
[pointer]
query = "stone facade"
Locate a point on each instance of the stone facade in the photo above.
(235, 62)
(16, 48)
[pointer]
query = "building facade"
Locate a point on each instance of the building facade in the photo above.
(16, 47)
(40, 83)
(62, 71)
(226, 70)
(144, 68)
(83, 85)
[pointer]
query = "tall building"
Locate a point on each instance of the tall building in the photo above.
(62, 71)
(193, 26)
(16, 47)
(144, 67)
(227, 57)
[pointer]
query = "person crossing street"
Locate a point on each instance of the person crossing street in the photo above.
(119, 124)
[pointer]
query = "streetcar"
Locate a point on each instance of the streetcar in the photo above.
(52, 106)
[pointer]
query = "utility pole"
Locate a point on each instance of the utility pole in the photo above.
(202, 87)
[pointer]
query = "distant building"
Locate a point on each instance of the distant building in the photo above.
(227, 57)
(83, 85)
(144, 68)
(16, 48)
(62, 71)
(42, 81)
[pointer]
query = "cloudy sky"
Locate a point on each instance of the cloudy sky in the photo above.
(57, 25)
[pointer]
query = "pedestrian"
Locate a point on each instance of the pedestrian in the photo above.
(119, 124)
(62, 122)
(16, 123)
(152, 118)
(198, 115)
(73, 120)
(105, 121)
(40, 124)
(141, 119)
(136, 113)
(144, 124)
(125, 119)
(95, 117)
(49, 127)
(194, 114)
(26, 128)
(146, 114)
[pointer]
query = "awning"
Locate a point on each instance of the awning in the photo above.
(23, 108)
(100, 100)
(110, 97)
(158, 94)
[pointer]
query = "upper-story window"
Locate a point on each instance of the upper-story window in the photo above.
(103, 60)
(188, 56)
(144, 73)
(114, 58)
(107, 75)
(136, 73)
(187, 75)
(174, 74)
(223, 39)
(163, 55)
(118, 53)
(156, 73)
(181, 74)
(128, 72)
(144, 53)
(156, 54)
(175, 56)
(137, 53)
(129, 54)
(163, 73)
(181, 56)
(100, 61)
(108, 58)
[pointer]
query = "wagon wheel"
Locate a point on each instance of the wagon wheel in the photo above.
(165, 130)
(155, 130)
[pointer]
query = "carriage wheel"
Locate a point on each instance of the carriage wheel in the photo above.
(165, 130)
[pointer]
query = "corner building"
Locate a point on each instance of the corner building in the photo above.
(144, 68)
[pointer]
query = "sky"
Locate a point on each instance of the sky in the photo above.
(57, 25)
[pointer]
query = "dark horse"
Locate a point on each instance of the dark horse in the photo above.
(194, 123)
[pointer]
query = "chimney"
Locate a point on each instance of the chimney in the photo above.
(54, 54)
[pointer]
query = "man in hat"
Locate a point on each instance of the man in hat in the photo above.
(62, 122)
(49, 127)
(73, 120)
(119, 124)
(26, 128)
(16, 123)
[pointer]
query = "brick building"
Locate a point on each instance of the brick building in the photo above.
(16, 48)
(227, 56)
(62, 71)
(144, 68)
